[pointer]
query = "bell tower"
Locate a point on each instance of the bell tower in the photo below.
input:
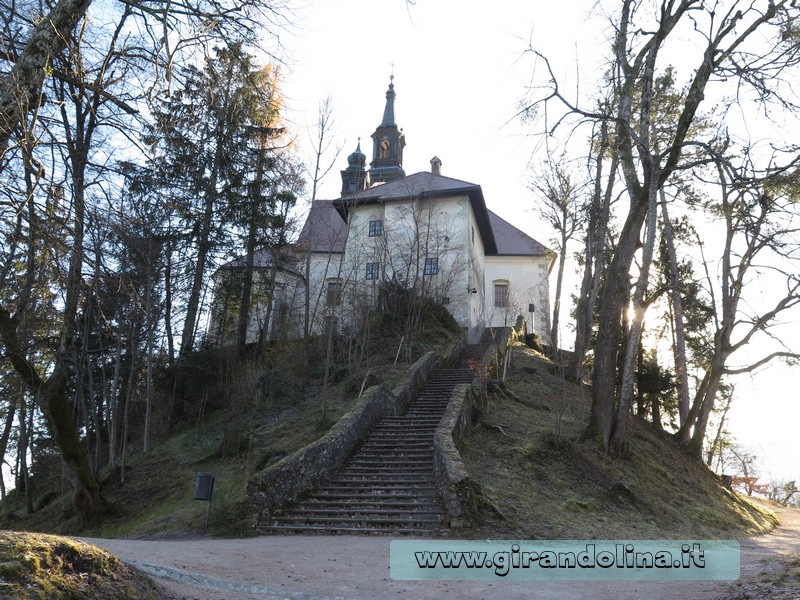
(388, 142)
(355, 177)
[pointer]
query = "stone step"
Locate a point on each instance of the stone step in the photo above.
(398, 445)
(402, 432)
(367, 491)
(393, 449)
(382, 489)
(348, 502)
(404, 427)
(393, 453)
(382, 463)
(409, 521)
(387, 486)
(351, 530)
(385, 480)
(378, 474)
(413, 513)
(372, 496)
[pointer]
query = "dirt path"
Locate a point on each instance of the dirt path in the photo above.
(357, 568)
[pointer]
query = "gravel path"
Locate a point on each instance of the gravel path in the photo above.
(357, 568)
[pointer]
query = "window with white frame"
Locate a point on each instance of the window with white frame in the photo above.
(373, 270)
(431, 265)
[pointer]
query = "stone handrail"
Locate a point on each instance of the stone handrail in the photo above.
(460, 494)
(307, 468)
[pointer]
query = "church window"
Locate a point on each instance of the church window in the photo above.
(372, 270)
(431, 265)
(501, 295)
(375, 228)
(334, 292)
(384, 149)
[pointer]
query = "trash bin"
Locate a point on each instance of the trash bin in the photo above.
(203, 486)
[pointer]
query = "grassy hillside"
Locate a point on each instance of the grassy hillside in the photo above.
(152, 495)
(523, 450)
(539, 482)
(239, 416)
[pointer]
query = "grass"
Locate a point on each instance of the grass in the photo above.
(544, 484)
(34, 566)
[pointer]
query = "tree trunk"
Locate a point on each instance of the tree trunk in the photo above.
(21, 88)
(619, 434)
(713, 449)
(114, 408)
(203, 247)
(11, 411)
(23, 445)
(562, 259)
(613, 302)
(595, 254)
(679, 349)
(150, 344)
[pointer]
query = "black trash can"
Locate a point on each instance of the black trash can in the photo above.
(203, 486)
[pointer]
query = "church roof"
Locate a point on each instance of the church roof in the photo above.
(513, 242)
(263, 259)
(425, 185)
(324, 228)
(417, 185)
(500, 238)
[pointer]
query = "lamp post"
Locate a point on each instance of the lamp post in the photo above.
(531, 309)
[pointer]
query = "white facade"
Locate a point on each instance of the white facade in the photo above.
(434, 234)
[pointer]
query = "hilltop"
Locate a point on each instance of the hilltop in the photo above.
(521, 449)
(536, 480)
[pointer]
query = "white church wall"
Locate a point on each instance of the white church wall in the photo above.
(323, 268)
(526, 281)
(476, 278)
(413, 233)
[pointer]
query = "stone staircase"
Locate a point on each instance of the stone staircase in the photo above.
(388, 484)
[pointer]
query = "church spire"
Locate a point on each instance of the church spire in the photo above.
(388, 112)
(388, 143)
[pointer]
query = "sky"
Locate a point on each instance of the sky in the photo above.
(461, 69)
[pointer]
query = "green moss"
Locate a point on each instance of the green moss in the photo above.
(52, 567)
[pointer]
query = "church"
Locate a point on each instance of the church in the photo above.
(423, 231)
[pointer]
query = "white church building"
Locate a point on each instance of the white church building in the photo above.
(424, 231)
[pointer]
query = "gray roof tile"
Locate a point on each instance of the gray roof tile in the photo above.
(324, 228)
(513, 242)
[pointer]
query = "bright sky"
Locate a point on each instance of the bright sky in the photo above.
(460, 71)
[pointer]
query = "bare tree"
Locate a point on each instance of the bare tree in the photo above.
(563, 209)
(725, 36)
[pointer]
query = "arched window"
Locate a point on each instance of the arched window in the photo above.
(384, 149)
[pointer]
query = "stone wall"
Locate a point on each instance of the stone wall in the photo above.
(301, 472)
(453, 484)
(461, 495)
